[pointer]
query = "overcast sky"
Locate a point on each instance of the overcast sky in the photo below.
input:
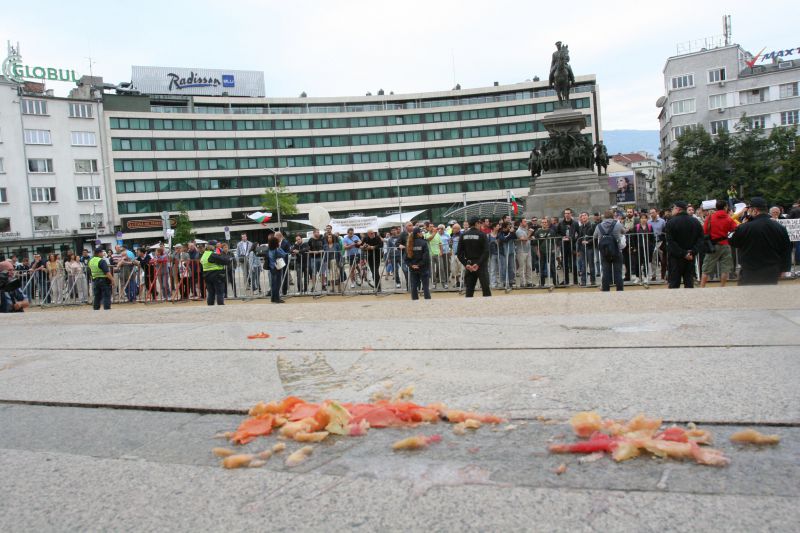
(339, 48)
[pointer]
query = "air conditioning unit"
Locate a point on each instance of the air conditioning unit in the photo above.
(722, 83)
(721, 109)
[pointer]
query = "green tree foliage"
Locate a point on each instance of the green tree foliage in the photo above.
(183, 229)
(783, 183)
(747, 161)
(285, 200)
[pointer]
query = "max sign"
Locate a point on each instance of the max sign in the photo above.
(775, 54)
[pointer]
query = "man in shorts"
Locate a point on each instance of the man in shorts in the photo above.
(717, 227)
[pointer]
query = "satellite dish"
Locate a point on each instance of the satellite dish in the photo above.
(661, 101)
(319, 217)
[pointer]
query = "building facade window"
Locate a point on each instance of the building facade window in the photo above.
(790, 118)
(754, 96)
(43, 194)
(2, 168)
(80, 110)
(45, 223)
(89, 193)
(5, 225)
(718, 126)
(3, 196)
(677, 131)
(83, 138)
(758, 121)
(88, 220)
(34, 107)
(682, 107)
(682, 81)
(716, 75)
(40, 166)
(37, 137)
(788, 90)
(85, 166)
(717, 101)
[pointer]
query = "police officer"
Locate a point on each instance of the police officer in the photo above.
(764, 246)
(473, 253)
(102, 280)
(213, 265)
(684, 237)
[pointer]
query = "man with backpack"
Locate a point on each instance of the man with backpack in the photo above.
(610, 243)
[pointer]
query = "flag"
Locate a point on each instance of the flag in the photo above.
(514, 204)
(261, 218)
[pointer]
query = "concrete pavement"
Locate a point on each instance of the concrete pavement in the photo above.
(724, 357)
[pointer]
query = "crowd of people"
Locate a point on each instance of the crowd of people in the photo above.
(678, 246)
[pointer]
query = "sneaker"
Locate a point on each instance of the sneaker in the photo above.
(396, 285)
(434, 286)
(352, 285)
(445, 286)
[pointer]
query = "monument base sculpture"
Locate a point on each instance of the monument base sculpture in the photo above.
(578, 189)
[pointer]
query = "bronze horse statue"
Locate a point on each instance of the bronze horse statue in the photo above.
(562, 78)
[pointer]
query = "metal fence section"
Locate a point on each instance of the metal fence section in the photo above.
(545, 263)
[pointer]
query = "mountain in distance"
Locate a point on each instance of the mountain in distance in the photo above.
(628, 141)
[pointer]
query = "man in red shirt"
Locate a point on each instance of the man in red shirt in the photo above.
(718, 226)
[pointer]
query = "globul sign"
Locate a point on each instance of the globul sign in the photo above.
(14, 70)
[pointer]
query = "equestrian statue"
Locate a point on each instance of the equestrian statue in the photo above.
(561, 76)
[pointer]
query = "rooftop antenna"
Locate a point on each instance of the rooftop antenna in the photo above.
(726, 29)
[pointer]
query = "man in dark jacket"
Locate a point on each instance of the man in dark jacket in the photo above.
(764, 247)
(585, 248)
(684, 235)
(473, 253)
(567, 229)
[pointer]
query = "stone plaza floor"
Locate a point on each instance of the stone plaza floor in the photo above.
(107, 418)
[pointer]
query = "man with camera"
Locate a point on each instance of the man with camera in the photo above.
(12, 300)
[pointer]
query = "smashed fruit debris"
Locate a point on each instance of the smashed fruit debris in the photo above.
(628, 440)
(300, 421)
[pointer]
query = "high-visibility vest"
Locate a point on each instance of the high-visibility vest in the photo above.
(94, 267)
(208, 267)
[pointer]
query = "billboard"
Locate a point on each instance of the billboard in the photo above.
(623, 185)
(197, 81)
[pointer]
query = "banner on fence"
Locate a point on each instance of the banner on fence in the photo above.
(792, 225)
(359, 224)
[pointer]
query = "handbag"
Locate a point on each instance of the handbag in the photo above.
(280, 263)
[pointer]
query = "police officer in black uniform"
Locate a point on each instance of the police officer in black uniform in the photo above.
(684, 237)
(764, 247)
(473, 252)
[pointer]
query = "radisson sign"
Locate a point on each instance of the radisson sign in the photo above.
(14, 70)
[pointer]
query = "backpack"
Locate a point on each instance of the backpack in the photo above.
(607, 245)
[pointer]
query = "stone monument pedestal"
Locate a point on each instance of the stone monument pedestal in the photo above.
(578, 189)
(568, 180)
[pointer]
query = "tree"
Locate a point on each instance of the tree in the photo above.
(751, 160)
(183, 228)
(286, 202)
(783, 183)
(700, 168)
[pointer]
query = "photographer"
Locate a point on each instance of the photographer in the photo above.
(12, 300)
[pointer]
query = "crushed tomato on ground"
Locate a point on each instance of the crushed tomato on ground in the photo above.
(626, 440)
(300, 421)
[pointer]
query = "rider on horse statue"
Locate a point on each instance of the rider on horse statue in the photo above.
(561, 76)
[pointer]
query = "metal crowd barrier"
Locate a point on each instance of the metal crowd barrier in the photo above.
(546, 263)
